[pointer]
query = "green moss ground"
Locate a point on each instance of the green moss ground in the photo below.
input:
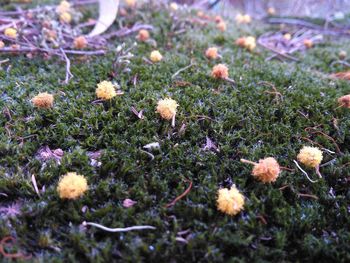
(245, 123)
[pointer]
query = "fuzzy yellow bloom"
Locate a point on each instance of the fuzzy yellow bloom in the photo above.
(66, 17)
(130, 3)
(10, 32)
(72, 186)
(267, 170)
(80, 42)
(143, 35)
(211, 53)
(174, 6)
(231, 201)
(310, 156)
(221, 26)
(105, 90)
(155, 56)
(220, 71)
(167, 108)
(43, 100)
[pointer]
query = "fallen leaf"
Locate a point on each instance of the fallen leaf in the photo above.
(108, 13)
(129, 203)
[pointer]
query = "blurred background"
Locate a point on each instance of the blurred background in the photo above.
(311, 8)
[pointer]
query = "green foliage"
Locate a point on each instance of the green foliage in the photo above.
(244, 121)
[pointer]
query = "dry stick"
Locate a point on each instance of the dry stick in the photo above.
(287, 169)
(263, 220)
(115, 230)
(127, 31)
(307, 176)
(308, 195)
(327, 136)
(181, 70)
(69, 74)
(276, 51)
(299, 22)
(247, 161)
(173, 121)
(148, 153)
(318, 171)
(172, 203)
(18, 255)
(35, 185)
(51, 51)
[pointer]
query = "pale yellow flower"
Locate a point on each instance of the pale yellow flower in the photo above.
(105, 90)
(66, 17)
(10, 32)
(72, 186)
(310, 156)
(230, 201)
(43, 100)
(156, 56)
(167, 108)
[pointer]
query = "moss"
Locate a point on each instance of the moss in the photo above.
(244, 121)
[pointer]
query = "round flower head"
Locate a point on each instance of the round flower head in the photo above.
(247, 19)
(308, 43)
(342, 54)
(218, 19)
(230, 201)
(267, 170)
(241, 42)
(64, 6)
(271, 11)
(65, 17)
(221, 26)
(130, 3)
(310, 156)
(287, 36)
(174, 6)
(250, 43)
(167, 108)
(239, 18)
(143, 35)
(80, 42)
(72, 186)
(156, 56)
(344, 101)
(43, 100)
(220, 71)
(10, 32)
(211, 53)
(105, 90)
(2, 44)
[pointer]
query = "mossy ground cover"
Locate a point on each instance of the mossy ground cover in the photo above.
(278, 224)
